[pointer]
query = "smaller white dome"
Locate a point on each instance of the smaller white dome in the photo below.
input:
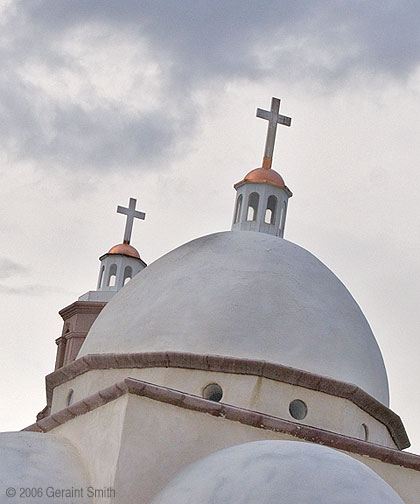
(281, 472)
(44, 463)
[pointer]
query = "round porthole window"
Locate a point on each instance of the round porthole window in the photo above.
(298, 409)
(213, 392)
(69, 398)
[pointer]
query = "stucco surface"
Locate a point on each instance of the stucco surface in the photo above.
(138, 445)
(250, 392)
(270, 472)
(97, 435)
(43, 464)
(249, 295)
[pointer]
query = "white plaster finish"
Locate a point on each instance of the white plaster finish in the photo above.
(121, 261)
(280, 472)
(101, 295)
(159, 439)
(97, 436)
(264, 191)
(183, 437)
(186, 436)
(325, 411)
(154, 426)
(404, 481)
(244, 294)
(40, 461)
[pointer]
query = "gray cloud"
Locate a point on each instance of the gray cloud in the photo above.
(9, 268)
(194, 44)
(33, 290)
(219, 37)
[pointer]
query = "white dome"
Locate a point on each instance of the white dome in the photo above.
(277, 472)
(32, 460)
(246, 295)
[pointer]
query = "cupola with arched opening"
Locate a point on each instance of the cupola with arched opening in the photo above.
(121, 263)
(262, 196)
(118, 266)
(261, 205)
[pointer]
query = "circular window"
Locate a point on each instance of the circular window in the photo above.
(298, 409)
(69, 398)
(213, 392)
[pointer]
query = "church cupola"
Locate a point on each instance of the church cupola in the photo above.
(121, 263)
(118, 266)
(262, 196)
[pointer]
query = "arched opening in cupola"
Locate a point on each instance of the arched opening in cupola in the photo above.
(112, 277)
(253, 201)
(270, 211)
(128, 274)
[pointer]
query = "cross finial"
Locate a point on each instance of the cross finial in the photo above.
(273, 117)
(131, 214)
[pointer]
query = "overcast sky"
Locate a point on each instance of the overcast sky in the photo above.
(105, 100)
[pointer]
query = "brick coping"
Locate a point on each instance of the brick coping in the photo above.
(233, 413)
(276, 372)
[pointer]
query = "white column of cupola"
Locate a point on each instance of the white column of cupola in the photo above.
(262, 196)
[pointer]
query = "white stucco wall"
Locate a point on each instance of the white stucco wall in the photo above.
(97, 436)
(271, 472)
(157, 440)
(251, 392)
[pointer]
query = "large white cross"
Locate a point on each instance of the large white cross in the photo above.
(131, 214)
(273, 117)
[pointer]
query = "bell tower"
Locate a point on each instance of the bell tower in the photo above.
(118, 266)
(262, 196)
(120, 263)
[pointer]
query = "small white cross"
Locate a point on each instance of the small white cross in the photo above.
(131, 214)
(273, 117)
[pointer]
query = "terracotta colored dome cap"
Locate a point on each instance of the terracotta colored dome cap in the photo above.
(262, 175)
(124, 249)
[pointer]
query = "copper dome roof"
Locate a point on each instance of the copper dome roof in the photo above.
(263, 175)
(124, 249)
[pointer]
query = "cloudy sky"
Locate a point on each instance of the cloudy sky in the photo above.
(103, 100)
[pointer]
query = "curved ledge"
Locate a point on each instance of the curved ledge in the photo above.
(234, 365)
(233, 413)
